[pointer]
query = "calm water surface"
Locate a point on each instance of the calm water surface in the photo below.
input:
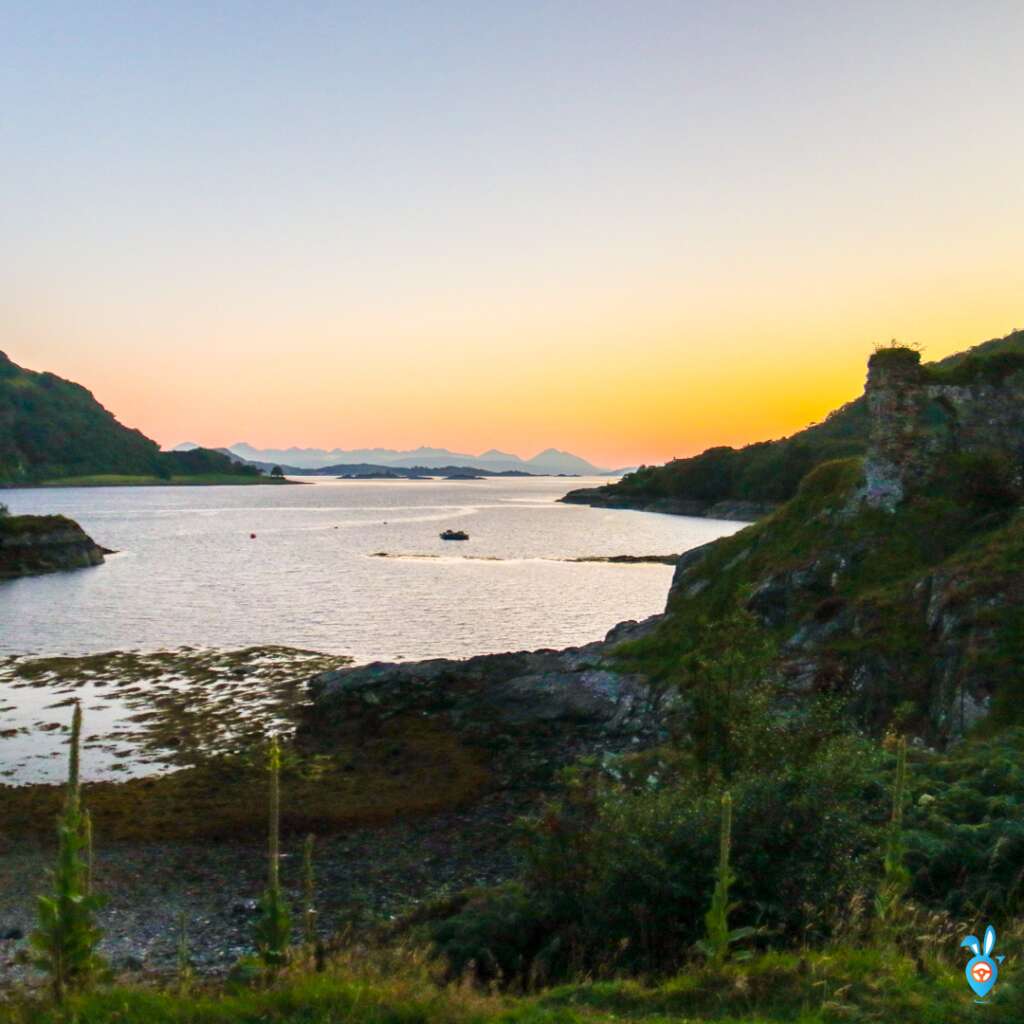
(188, 571)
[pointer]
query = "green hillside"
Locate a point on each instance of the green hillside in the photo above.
(52, 430)
(770, 471)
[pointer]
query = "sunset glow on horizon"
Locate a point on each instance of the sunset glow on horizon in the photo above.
(627, 231)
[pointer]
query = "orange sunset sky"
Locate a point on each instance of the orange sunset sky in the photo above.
(629, 231)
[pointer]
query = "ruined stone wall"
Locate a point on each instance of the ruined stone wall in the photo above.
(915, 422)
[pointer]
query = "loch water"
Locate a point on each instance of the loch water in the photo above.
(189, 572)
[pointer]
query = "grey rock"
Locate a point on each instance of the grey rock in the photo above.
(631, 630)
(579, 689)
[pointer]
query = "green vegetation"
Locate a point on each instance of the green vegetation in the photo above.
(29, 526)
(639, 849)
(840, 984)
(121, 480)
(50, 427)
(896, 878)
(814, 562)
(771, 471)
(66, 938)
(718, 938)
(273, 924)
(53, 430)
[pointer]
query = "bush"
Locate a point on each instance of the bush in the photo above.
(620, 878)
(965, 827)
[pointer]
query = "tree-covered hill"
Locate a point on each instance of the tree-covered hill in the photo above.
(770, 471)
(53, 429)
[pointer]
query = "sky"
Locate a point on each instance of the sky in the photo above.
(627, 229)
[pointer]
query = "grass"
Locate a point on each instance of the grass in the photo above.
(123, 480)
(853, 985)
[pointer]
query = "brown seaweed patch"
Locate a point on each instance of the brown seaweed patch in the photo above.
(381, 779)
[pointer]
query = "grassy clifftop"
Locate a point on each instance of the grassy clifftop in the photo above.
(914, 614)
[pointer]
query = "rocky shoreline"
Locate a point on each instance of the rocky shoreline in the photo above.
(365, 875)
(733, 511)
(520, 717)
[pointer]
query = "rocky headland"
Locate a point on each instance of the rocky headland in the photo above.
(892, 581)
(30, 545)
(733, 510)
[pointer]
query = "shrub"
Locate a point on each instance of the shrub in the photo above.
(620, 878)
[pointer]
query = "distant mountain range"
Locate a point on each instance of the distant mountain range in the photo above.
(548, 462)
(54, 429)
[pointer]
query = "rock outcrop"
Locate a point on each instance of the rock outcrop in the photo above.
(30, 545)
(565, 700)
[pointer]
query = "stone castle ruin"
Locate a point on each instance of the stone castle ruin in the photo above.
(920, 415)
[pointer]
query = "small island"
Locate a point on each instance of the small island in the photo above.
(382, 474)
(31, 545)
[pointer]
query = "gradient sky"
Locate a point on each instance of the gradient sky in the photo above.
(630, 229)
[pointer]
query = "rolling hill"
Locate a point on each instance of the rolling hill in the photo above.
(53, 429)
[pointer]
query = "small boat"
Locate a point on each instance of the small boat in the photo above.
(454, 535)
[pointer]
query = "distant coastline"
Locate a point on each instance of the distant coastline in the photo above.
(729, 510)
(119, 480)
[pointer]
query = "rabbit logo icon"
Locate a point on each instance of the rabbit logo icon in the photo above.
(982, 969)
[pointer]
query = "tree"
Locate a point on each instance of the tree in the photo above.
(277, 471)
